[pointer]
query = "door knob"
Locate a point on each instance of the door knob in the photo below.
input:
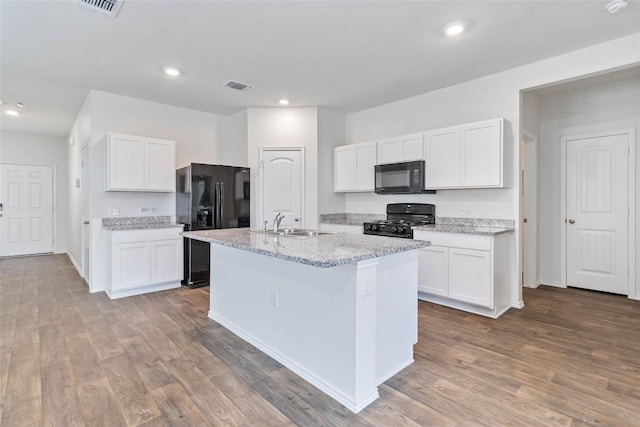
(296, 219)
(85, 222)
(572, 221)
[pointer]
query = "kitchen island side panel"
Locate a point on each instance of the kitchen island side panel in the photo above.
(322, 323)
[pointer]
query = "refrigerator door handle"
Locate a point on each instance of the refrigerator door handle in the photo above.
(217, 210)
(221, 204)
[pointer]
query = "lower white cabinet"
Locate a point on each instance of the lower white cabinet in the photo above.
(465, 271)
(142, 261)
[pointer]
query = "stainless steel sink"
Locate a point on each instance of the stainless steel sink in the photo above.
(294, 232)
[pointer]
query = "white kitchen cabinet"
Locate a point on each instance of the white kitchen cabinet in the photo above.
(401, 148)
(442, 152)
(140, 164)
(465, 271)
(142, 261)
(353, 167)
(466, 156)
(433, 270)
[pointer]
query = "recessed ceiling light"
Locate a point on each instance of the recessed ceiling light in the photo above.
(454, 29)
(11, 113)
(173, 72)
(284, 101)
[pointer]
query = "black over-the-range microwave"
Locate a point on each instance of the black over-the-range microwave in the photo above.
(401, 178)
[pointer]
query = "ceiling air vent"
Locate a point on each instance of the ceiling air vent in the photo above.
(108, 7)
(238, 85)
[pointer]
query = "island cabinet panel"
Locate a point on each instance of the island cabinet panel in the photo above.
(142, 261)
(466, 156)
(140, 164)
(462, 271)
(353, 167)
(345, 329)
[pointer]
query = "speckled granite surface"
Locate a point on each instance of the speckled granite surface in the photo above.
(329, 250)
(138, 222)
(476, 222)
(349, 218)
(466, 229)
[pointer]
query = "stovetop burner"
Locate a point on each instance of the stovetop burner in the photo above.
(401, 217)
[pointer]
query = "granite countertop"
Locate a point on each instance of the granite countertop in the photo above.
(464, 228)
(350, 218)
(328, 250)
(138, 223)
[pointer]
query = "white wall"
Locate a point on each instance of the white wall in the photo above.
(273, 127)
(232, 145)
(196, 134)
(331, 133)
(43, 151)
(496, 95)
(603, 106)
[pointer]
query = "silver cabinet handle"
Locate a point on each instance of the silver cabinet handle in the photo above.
(85, 222)
(572, 221)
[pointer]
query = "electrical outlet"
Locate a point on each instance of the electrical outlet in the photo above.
(464, 213)
(273, 297)
(114, 211)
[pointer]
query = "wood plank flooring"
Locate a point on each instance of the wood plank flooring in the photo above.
(71, 358)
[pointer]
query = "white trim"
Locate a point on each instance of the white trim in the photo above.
(517, 304)
(299, 148)
(551, 283)
(633, 291)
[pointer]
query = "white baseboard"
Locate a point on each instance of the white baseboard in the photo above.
(534, 286)
(551, 283)
(355, 405)
(75, 264)
(143, 290)
(517, 304)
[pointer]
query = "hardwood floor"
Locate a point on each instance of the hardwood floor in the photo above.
(68, 358)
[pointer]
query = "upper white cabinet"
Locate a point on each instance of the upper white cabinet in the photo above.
(466, 156)
(140, 164)
(353, 167)
(401, 148)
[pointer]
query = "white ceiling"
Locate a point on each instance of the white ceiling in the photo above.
(342, 55)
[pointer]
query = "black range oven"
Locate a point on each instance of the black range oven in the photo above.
(401, 218)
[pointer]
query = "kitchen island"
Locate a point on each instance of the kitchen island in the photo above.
(339, 310)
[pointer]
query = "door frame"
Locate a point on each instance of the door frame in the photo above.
(260, 200)
(631, 201)
(83, 262)
(528, 199)
(54, 199)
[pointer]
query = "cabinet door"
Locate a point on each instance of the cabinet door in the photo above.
(365, 161)
(344, 173)
(126, 163)
(166, 260)
(390, 150)
(160, 165)
(433, 264)
(412, 147)
(481, 154)
(442, 154)
(130, 265)
(470, 276)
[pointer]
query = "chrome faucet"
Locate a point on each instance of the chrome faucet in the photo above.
(276, 222)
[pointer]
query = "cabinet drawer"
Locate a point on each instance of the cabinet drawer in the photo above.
(455, 240)
(124, 236)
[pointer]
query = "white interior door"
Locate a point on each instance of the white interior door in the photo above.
(598, 213)
(27, 210)
(85, 214)
(283, 185)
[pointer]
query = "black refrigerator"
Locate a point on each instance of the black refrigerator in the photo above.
(209, 197)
